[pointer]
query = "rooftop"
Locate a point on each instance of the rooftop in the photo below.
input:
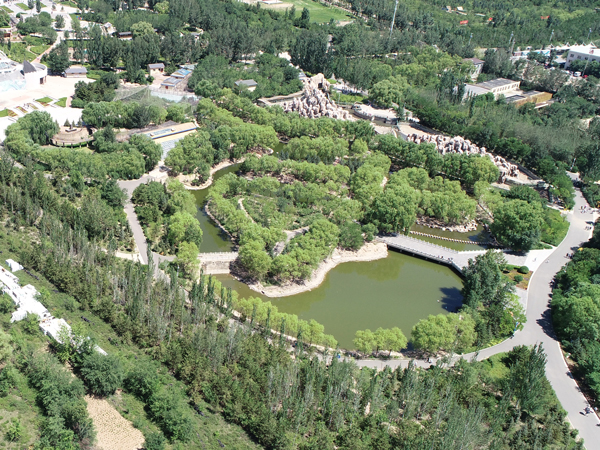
(181, 73)
(475, 61)
(171, 81)
(156, 66)
(590, 49)
(498, 82)
(76, 70)
(248, 83)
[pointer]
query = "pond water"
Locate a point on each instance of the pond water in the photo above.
(396, 291)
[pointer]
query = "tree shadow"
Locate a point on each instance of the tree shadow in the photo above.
(545, 322)
(452, 299)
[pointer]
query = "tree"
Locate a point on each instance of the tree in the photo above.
(450, 332)
(142, 29)
(365, 341)
(527, 378)
(351, 236)
(310, 52)
(394, 211)
(162, 7)
(58, 58)
(59, 22)
(187, 257)
(483, 280)
(517, 224)
(38, 6)
(102, 375)
(255, 259)
(386, 93)
(391, 339)
(40, 126)
(184, 227)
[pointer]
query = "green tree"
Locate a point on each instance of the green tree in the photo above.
(187, 257)
(6, 347)
(59, 21)
(527, 378)
(365, 341)
(142, 29)
(255, 259)
(517, 224)
(184, 227)
(386, 93)
(58, 58)
(391, 339)
(102, 375)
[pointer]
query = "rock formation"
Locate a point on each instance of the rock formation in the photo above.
(314, 103)
(458, 144)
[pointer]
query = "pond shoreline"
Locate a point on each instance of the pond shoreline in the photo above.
(368, 252)
(222, 165)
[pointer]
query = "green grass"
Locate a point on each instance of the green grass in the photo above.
(23, 6)
(555, 228)
(94, 74)
(32, 40)
(4, 113)
(44, 100)
(18, 52)
(494, 367)
(318, 12)
(39, 49)
(62, 102)
(71, 4)
(7, 9)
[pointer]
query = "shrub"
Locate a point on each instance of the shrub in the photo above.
(154, 441)
(518, 278)
(101, 374)
(523, 269)
(6, 304)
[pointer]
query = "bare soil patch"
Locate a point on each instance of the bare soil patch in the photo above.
(114, 431)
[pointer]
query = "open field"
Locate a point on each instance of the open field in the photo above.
(318, 12)
(23, 6)
(7, 9)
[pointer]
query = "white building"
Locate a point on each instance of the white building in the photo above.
(499, 86)
(582, 53)
(25, 299)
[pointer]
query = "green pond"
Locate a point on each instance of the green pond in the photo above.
(396, 291)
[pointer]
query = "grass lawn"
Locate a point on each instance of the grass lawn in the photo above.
(39, 49)
(71, 4)
(526, 277)
(18, 52)
(318, 12)
(23, 6)
(94, 74)
(4, 113)
(7, 9)
(62, 102)
(44, 100)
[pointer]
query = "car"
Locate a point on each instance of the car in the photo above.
(577, 74)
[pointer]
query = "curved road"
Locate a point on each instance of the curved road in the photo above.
(538, 329)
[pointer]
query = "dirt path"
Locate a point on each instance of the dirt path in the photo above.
(114, 431)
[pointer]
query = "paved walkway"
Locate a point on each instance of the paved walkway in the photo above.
(538, 329)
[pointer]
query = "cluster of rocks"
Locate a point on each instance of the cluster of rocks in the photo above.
(435, 223)
(458, 144)
(314, 103)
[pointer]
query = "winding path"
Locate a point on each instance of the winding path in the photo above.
(538, 329)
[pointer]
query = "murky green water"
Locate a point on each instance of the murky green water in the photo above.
(396, 291)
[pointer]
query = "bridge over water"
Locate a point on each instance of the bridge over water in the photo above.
(216, 262)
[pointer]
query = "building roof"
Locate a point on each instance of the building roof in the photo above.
(475, 61)
(249, 83)
(171, 81)
(589, 49)
(28, 67)
(498, 82)
(76, 70)
(156, 66)
(181, 73)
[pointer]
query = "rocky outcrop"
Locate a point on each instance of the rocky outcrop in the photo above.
(458, 144)
(314, 103)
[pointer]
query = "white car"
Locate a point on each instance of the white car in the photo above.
(577, 74)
